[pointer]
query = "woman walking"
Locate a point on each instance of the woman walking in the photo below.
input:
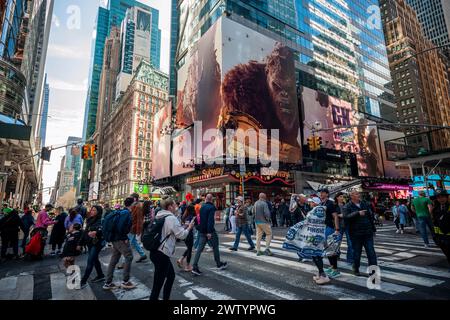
(93, 238)
(72, 218)
(187, 218)
(399, 211)
(58, 232)
(171, 230)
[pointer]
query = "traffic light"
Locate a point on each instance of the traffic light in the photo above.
(93, 150)
(318, 142)
(86, 150)
(312, 144)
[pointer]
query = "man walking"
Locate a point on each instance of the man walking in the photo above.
(242, 225)
(422, 206)
(207, 233)
(360, 222)
(116, 227)
(80, 209)
(137, 218)
(262, 221)
(284, 213)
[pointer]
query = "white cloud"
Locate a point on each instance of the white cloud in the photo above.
(67, 52)
(59, 84)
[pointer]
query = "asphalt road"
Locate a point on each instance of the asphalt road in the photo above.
(408, 271)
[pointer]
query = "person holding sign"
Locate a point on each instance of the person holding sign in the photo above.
(307, 238)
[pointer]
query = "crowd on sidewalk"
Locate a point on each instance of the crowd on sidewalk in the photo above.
(158, 226)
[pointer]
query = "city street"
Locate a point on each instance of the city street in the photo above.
(408, 271)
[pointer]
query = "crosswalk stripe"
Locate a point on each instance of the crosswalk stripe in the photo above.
(17, 288)
(386, 287)
(60, 291)
(411, 279)
(205, 291)
(140, 292)
(331, 291)
(281, 294)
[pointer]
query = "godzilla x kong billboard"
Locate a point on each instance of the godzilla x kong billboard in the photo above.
(235, 79)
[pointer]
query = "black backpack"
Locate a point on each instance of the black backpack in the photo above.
(151, 238)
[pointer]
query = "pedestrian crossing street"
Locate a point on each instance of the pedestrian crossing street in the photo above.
(251, 277)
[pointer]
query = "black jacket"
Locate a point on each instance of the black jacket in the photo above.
(441, 219)
(28, 221)
(92, 224)
(357, 224)
(59, 230)
(283, 209)
(10, 224)
(72, 242)
(207, 215)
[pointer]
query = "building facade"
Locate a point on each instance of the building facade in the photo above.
(339, 57)
(127, 151)
(420, 81)
(44, 114)
(434, 17)
(111, 67)
(24, 32)
(108, 18)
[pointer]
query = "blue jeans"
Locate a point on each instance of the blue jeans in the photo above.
(423, 223)
(360, 241)
(92, 262)
(246, 231)
(214, 242)
(349, 246)
(134, 243)
(197, 240)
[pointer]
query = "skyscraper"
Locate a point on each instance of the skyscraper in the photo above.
(44, 114)
(106, 19)
(136, 45)
(420, 80)
(434, 16)
(73, 159)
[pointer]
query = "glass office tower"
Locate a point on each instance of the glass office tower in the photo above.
(339, 45)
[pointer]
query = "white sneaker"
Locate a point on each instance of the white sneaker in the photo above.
(426, 246)
(398, 231)
(401, 232)
(322, 280)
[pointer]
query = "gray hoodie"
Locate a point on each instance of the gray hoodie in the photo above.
(173, 228)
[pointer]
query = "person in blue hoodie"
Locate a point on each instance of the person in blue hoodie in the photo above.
(207, 232)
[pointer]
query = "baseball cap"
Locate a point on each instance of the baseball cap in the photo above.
(316, 200)
(441, 192)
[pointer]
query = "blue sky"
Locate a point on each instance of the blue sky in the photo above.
(67, 66)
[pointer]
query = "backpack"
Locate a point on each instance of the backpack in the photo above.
(109, 225)
(151, 238)
(115, 224)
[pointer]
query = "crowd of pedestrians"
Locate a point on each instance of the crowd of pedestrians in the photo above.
(136, 225)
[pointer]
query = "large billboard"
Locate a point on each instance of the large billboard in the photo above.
(228, 85)
(330, 114)
(161, 142)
